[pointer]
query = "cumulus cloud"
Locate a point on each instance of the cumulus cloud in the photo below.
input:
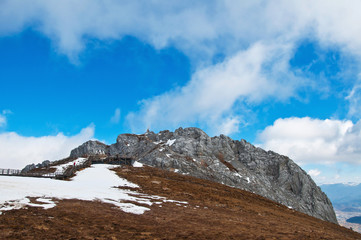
(236, 29)
(308, 140)
(202, 26)
(314, 172)
(116, 117)
(249, 76)
(16, 151)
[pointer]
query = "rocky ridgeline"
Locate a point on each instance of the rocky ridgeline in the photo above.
(221, 159)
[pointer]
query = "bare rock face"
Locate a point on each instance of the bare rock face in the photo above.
(221, 159)
(90, 148)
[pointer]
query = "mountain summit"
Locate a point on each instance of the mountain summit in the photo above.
(239, 164)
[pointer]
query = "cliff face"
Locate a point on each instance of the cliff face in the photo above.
(221, 159)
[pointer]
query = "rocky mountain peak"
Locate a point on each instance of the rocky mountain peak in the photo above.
(221, 159)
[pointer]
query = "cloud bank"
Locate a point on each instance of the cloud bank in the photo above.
(17, 151)
(310, 141)
(250, 76)
(257, 38)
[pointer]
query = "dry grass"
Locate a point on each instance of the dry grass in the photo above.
(214, 211)
(220, 156)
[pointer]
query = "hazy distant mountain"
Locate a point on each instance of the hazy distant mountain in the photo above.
(354, 220)
(345, 197)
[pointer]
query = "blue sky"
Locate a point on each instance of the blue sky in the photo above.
(282, 75)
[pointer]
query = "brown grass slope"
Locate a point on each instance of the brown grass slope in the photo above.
(214, 211)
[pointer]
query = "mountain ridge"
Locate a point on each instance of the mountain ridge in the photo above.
(239, 164)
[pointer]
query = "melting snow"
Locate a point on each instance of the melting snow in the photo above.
(62, 167)
(170, 142)
(237, 174)
(137, 164)
(94, 183)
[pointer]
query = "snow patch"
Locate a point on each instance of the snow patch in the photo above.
(95, 183)
(170, 142)
(137, 164)
(48, 203)
(61, 168)
(237, 174)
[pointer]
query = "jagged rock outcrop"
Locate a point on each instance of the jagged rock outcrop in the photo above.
(89, 148)
(221, 159)
(32, 166)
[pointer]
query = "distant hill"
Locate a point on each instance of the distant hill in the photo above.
(345, 197)
(354, 220)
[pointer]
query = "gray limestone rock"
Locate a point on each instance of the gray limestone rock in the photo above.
(90, 148)
(45, 163)
(28, 168)
(235, 163)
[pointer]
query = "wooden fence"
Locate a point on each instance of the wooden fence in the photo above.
(70, 170)
(17, 172)
(11, 172)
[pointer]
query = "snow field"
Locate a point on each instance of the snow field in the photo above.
(95, 183)
(61, 168)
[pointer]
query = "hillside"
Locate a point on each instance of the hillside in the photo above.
(220, 159)
(196, 209)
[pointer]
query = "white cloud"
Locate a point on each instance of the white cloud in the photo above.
(229, 126)
(116, 117)
(16, 151)
(308, 140)
(194, 27)
(354, 99)
(2, 120)
(200, 29)
(314, 172)
(249, 76)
